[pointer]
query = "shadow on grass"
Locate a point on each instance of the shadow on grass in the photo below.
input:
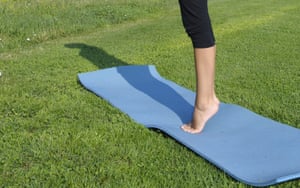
(96, 55)
(158, 91)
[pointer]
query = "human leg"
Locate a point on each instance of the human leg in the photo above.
(197, 24)
(206, 102)
(196, 21)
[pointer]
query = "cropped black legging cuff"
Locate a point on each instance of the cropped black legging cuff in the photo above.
(197, 23)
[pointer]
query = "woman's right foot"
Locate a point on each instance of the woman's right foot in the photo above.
(200, 116)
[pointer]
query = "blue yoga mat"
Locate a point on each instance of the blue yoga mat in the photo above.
(252, 149)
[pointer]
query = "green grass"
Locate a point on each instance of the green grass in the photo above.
(54, 133)
(35, 21)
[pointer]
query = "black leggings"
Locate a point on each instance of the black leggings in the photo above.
(197, 24)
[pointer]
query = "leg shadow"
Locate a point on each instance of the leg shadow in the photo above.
(137, 77)
(96, 55)
(152, 86)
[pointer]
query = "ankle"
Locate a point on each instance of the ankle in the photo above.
(207, 105)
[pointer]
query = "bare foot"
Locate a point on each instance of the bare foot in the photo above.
(200, 116)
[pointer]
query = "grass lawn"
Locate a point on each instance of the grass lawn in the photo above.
(54, 133)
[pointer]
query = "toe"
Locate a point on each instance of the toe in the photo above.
(188, 128)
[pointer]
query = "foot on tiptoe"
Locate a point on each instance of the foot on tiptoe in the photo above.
(200, 116)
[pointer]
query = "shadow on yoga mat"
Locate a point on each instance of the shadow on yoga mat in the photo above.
(252, 149)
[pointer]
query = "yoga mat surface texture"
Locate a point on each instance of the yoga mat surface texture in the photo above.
(252, 149)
